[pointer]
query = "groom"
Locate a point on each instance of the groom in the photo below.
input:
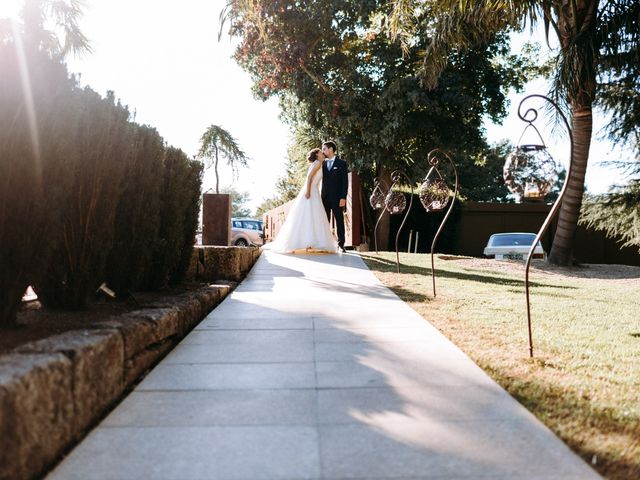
(335, 184)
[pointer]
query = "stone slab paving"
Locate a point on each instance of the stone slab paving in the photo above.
(313, 369)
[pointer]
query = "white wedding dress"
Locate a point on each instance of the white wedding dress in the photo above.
(306, 226)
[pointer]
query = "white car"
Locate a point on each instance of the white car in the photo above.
(246, 231)
(512, 246)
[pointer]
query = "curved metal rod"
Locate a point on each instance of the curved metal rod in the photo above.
(433, 160)
(376, 184)
(396, 177)
(375, 230)
(555, 206)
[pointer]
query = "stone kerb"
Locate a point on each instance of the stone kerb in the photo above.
(53, 390)
(209, 263)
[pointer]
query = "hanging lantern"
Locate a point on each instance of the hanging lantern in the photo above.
(395, 203)
(529, 169)
(434, 194)
(377, 198)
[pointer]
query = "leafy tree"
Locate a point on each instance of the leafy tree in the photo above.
(338, 75)
(616, 213)
(598, 53)
(268, 204)
(483, 178)
(239, 202)
(216, 141)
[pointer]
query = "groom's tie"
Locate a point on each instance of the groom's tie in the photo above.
(329, 164)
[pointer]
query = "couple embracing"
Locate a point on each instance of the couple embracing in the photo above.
(307, 228)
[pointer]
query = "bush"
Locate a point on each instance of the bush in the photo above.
(137, 220)
(193, 197)
(86, 195)
(178, 219)
(99, 147)
(32, 152)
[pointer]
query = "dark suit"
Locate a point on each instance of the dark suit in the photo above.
(335, 184)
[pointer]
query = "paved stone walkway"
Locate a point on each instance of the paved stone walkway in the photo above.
(312, 369)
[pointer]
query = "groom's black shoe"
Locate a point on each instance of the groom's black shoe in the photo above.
(342, 249)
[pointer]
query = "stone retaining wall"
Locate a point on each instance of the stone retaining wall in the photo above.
(209, 263)
(53, 391)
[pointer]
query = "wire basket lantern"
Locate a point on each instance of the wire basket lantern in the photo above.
(536, 156)
(396, 203)
(378, 196)
(377, 201)
(530, 172)
(435, 195)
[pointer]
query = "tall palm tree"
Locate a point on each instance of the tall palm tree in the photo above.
(597, 39)
(216, 141)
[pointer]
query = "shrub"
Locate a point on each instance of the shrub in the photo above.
(178, 219)
(32, 151)
(97, 152)
(193, 197)
(137, 219)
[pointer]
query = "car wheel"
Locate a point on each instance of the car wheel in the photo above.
(241, 242)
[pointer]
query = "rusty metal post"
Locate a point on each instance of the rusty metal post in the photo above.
(434, 161)
(373, 200)
(396, 177)
(530, 116)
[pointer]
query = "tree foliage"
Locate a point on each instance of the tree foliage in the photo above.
(49, 26)
(596, 64)
(239, 201)
(340, 76)
(216, 142)
(617, 213)
(86, 195)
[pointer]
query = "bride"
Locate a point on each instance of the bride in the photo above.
(306, 229)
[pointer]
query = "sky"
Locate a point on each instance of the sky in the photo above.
(163, 59)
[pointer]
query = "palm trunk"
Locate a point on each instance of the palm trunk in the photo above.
(562, 248)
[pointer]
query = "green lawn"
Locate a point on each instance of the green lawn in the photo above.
(584, 382)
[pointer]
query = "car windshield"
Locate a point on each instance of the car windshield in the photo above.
(525, 239)
(247, 224)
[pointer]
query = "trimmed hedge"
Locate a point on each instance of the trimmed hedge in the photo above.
(180, 204)
(86, 195)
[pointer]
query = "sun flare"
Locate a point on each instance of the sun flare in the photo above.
(10, 8)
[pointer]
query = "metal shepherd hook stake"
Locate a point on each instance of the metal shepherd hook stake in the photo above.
(434, 196)
(530, 116)
(377, 203)
(396, 203)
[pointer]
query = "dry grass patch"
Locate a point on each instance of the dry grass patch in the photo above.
(584, 382)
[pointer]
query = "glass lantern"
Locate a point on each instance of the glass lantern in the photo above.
(530, 171)
(377, 198)
(434, 195)
(395, 203)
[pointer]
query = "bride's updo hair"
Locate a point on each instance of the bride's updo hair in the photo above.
(312, 156)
